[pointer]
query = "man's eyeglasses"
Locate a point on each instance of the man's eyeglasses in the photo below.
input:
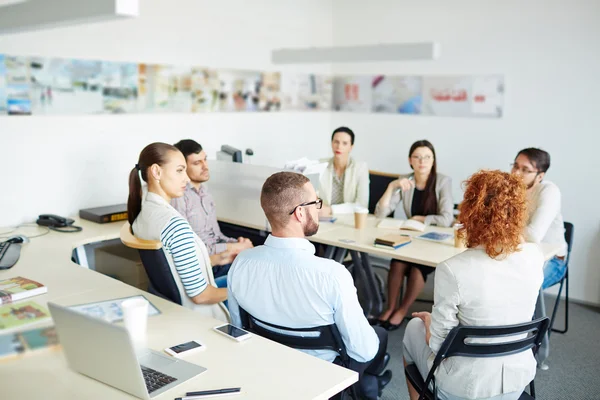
(523, 170)
(318, 203)
(422, 158)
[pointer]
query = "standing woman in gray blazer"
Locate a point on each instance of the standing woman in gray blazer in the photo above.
(425, 196)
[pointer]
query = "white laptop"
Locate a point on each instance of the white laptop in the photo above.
(104, 352)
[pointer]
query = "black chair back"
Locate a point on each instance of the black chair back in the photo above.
(456, 343)
(325, 337)
(378, 183)
(159, 273)
(569, 239)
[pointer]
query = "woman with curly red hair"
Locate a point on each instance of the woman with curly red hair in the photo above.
(494, 282)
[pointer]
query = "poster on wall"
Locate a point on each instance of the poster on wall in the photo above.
(119, 87)
(18, 96)
(269, 92)
(303, 92)
(63, 86)
(488, 96)
(397, 94)
(352, 93)
(205, 90)
(239, 90)
(447, 96)
(2, 86)
(163, 88)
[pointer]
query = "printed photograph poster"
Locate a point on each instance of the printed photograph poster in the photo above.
(397, 94)
(18, 93)
(304, 92)
(352, 93)
(239, 90)
(269, 92)
(119, 87)
(65, 86)
(205, 90)
(488, 96)
(164, 88)
(447, 96)
(3, 94)
(17, 70)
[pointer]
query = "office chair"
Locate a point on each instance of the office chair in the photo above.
(155, 263)
(455, 345)
(564, 282)
(326, 337)
(378, 183)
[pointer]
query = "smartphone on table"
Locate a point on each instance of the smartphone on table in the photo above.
(185, 348)
(233, 332)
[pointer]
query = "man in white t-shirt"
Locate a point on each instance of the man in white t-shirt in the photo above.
(545, 223)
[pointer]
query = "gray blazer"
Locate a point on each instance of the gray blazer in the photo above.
(402, 210)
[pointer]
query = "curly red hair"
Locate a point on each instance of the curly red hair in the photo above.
(493, 212)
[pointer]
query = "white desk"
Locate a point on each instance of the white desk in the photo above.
(236, 189)
(264, 369)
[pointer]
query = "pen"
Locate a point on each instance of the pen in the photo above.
(209, 393)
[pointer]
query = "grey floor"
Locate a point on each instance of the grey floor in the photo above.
(574, 361)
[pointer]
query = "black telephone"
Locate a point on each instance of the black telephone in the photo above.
(53, 222)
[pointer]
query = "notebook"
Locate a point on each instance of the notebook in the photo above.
(392, 241)
(19, 288)
(409, 224)
(435, 236)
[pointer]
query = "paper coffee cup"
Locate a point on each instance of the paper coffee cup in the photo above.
(458, 242)
(135, 319)
(360, 217)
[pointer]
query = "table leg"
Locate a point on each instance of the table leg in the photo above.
(329, 252)
(372, 282)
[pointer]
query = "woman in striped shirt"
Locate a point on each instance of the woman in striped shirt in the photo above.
(163, 168)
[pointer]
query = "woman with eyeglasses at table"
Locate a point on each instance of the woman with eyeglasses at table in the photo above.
(163, 168)
(426, 196)
(345, 182)
(495, 282)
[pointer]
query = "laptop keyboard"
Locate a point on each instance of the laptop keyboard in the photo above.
(155, 380)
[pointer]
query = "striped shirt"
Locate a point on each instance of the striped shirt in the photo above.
(178, 239)
(159, 221)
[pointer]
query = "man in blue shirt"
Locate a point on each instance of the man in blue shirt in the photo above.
(284, 283)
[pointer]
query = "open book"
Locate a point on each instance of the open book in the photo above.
(408, 224)
(19, 288)
(392, 241)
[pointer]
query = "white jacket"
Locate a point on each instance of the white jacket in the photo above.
(472, 289)
(356, 183)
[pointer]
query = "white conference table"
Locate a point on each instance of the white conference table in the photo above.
(236, 190)
(263, 369)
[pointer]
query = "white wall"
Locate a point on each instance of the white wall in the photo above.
(548, 52)
(61, 164)
(546, 49)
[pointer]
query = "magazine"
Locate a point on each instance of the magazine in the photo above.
(110, 310)
(13, 315)
(33, 340)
